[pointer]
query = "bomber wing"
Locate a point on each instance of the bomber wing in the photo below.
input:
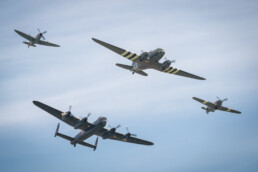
(204, 102)
(228, 110)
(47, 43)
(28, 37)
(71, 120)
(122, 137)
(176, 71)
(127, 54)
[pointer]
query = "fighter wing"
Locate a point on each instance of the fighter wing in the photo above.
(228, 109)
(120, 51)
(28, 37)
(47, 43)
(204, 102)
(71, 120)
(122, 137)
(176, 71)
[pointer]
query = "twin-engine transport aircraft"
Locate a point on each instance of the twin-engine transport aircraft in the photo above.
(89, 129)
(147, 60)
(211, 107)
(36, 39)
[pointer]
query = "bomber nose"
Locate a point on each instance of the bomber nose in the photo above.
(104, 122)
(161, 51)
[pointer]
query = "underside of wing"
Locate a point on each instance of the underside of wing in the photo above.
(121, 137)
(204, 102)
(57, 113)
(47, 43)
(120, 51)
(28, 37)
(228, 110)
(176, 71)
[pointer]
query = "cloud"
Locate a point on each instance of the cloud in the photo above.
(216, 40)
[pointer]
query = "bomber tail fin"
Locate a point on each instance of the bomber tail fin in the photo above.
(140, 72)
(72, 139)
(96, 144)
(57, 128)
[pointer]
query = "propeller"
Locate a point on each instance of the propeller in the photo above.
(67, 113)
(41, 34)
(89, 114)
(114, 127)
(223, 99)
(128, 132)
(173, 61)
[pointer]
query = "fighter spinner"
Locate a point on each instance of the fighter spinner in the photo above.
(36, 39)
(89, 129)
(147, 60)
(211, 107)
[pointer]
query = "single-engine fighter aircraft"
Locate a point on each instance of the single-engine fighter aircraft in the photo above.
(89, 129)
(211, 107)
(36, 39)
(146, 60)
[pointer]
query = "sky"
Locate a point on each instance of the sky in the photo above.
(213, 39)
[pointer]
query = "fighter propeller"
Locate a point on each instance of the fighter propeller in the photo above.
(41, 34)
(222, 100)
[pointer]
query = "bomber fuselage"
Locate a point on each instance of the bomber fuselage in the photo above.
(83, 135)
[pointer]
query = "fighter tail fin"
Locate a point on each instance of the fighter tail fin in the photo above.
(29, 44)
(206, 109)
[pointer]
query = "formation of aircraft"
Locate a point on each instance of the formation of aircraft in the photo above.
(35, 40)
(211, 107)
(146, 60)
(89, 129)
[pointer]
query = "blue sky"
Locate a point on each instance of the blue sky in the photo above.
(217, 40)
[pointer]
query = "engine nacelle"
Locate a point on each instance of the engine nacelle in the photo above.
(165, 64)
(109, 133)
(79, 124)
(127, 136)
(143, 56)
(65, 115)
